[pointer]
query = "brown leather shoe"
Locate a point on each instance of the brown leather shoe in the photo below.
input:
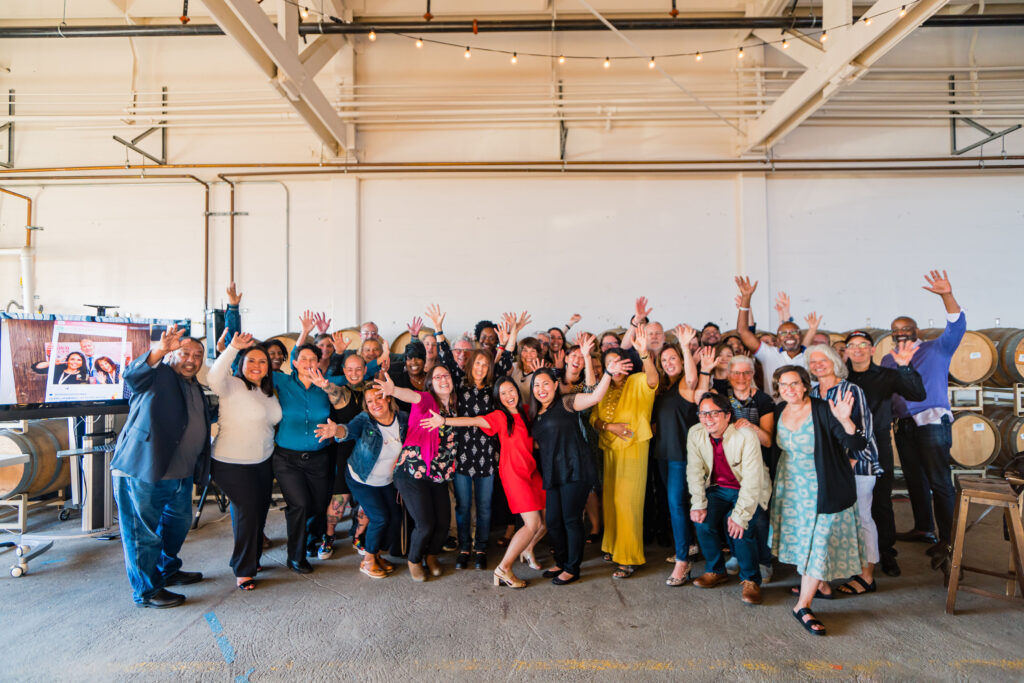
(710, 580)
(433, 565)
(751, 593)
(372, 570)
(416, 572)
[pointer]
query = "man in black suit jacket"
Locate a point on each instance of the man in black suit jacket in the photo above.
(163, 448)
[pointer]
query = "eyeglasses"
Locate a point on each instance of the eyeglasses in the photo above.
(862, 345)
(741, 372)
(709, 413)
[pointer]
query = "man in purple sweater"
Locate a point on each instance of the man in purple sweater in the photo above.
(924, 432)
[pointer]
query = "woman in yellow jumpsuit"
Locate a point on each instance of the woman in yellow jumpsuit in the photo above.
(623, 418)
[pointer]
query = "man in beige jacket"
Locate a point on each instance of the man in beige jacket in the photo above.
(727, 477)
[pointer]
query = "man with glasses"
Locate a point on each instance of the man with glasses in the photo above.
(879, 385)
(726, 477)
(790, 350)
(924, 432)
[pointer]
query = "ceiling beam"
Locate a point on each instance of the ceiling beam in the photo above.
(798, 47)
(245, 21)
(853, 53)
(319, 52)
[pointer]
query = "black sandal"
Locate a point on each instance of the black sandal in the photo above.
(810, 623)
(607, 557)
(818, 595)
(848, 588)
(247, 585)
(624, 571)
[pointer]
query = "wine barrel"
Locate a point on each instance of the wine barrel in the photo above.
(1010, 352)
(976, 440)
(1011, 433)
(398, 346)
(883, 347)
(974, 360)
(43, 473)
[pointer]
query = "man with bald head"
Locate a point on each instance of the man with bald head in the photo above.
(924, 432)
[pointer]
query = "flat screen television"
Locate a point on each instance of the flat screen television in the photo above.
(52, 366)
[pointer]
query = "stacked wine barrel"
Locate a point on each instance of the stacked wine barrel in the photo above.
(44, 472)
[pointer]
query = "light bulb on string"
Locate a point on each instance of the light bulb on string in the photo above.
(867, 21)
(823, 37)
(419, 42)
(515, 58)
(740, 55)
(785, 44)
(561, 59)
(607, 63)
(903, 11)
(467, 54)
(650, 64)
(304, 12)
(698, 56)
(372, 35)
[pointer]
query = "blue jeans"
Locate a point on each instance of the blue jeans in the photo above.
(380, 503)
(720, 504)
(673, 474)
(924, 456)
(154, 520)
(465, 488)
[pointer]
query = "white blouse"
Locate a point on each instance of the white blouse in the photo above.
(247, 416)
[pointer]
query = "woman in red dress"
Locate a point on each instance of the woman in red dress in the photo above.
(517, 469)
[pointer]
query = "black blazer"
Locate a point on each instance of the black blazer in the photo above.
(837, 489)
(157, 415)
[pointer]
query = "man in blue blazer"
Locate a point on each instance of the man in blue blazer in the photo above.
(163, 448)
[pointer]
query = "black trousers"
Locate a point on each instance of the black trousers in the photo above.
(248, 487)
(316, 525)
(306, 489)
(881, 501)
(924, 455)
(429, 505)
(565, 506)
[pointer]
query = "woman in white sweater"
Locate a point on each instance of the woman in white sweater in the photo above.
(245, 441)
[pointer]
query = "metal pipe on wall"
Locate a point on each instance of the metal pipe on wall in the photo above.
(231, 228)
(25, 255)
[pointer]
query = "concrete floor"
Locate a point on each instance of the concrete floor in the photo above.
(72, 618)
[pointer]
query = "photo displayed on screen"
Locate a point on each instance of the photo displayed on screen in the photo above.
(45, 362)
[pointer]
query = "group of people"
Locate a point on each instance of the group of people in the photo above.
(81, 367)
(775, 448)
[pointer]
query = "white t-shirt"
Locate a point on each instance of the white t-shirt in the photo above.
(773, 358)
(247, 416)
(383, 471)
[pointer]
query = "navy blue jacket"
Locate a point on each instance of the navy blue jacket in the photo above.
(157, 414)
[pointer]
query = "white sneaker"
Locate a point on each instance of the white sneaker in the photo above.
(732, 567)
(766, 573)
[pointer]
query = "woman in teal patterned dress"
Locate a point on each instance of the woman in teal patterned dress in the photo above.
(813, 512)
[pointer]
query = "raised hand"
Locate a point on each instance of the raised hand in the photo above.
(170, 339)
(317, 378)
(306, 320)
(576, 317)
(509, 319)
(222, 341)
(384, 362)
(436, 316)
(523, 320)
(813, 320)
(340, 341)
(746, 288)
(433, 422)
(707, 358)
(903, 352)
(642, 311)
(640, 339)
(586, 342)
(386, 385)
(234, 296)
(617, 365)
(415, 326)
(241, 340)
(535, 364)
(685, 334)
(504, 331)
(782, 306)
(326, 431)
(322, 322)
(938, 283)
(558, 358)
(843, 407)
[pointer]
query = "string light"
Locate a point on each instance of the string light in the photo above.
(515, 58)
(650, 64)
(739, 55)
(698, 56)
(467, 54)
(304, 12)
(372, 35)
(785, 44)
(419, 42)
(824, 36)
(867, 21)
(607, 63)
(561, 59)
(903, 11)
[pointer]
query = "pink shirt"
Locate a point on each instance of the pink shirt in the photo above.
(426, 440)
(721, 473)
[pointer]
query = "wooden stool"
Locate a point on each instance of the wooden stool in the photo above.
(994, 493)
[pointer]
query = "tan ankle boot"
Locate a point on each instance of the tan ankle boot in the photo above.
(416, 572)
(433, 565)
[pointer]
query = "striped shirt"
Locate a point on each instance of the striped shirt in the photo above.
(867, 459)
